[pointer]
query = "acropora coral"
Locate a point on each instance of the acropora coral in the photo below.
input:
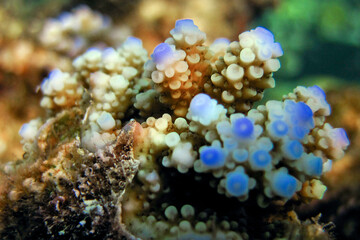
(341, 202)
(171, 147)
(73, 32)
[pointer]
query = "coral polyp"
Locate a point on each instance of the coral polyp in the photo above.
(170, 146)
(212, 157)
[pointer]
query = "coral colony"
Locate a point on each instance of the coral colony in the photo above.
(72, 32)
(171, 147)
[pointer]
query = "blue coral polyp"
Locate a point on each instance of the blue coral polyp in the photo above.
(243, 127)
(293, 149)
(341, 137)
(278, 128)
(240, 155)
(212, 157)
(162, 53)
(318, 91)
(237, 184)
(304, 113)
(260, 160)
(265, 34)
(221, 41)
(299, 132)
(200, 105)
(284, 185)
(265, 53)
(314, 165)
(184, 25)
(130, 41)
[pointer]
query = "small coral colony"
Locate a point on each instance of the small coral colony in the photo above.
(190, 108)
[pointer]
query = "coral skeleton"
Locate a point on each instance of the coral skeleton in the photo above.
(147, 143)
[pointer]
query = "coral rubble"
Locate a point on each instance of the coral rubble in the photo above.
(171, 147)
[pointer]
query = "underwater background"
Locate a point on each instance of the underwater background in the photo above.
(321, 45)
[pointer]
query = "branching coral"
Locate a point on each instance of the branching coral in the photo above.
(197, 131)
(245, 70)
(73, 32)
(180, 66)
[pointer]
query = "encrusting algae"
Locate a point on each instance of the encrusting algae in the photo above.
(171, 147)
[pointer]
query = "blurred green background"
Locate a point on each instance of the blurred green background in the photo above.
(321, 42)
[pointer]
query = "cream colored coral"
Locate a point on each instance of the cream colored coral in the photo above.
(218, 49)
(82, 21)
(73, 31)
(114, 79)
(100, 130)
(314, 189)
(28, 133)
(332, 142)
(155, 132)
(245, 70)
(110, 93)
(186, 34)
(60, 90)
(128, 60)
(146, 102)
(88, 62)
(182, 156)
(150, 179)
(180, 66)
(163, 134)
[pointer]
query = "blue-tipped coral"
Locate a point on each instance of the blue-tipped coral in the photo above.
(205, 110)
(311, 165)
(212, 157)
(264, 41)
(237, 183)
(300, 118)
(283, 184)
(278, 134)
(243, 128)
(187, 68)
(162, 53)
(184, 26)
(186, 33)
(199, 164)
(260, 160)
(60, 90)
(292, 149)
(278, 129)
(245, 70)
(132, 41)
(73, 32)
